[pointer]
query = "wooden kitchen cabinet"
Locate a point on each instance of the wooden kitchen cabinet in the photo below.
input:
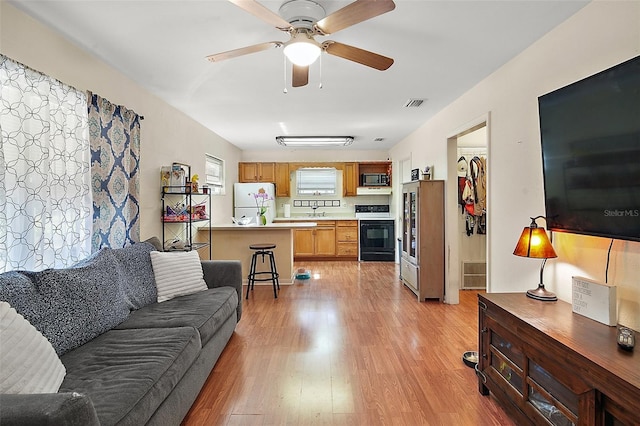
(547, 365)
(347, 238)
(350, 179)
(256, 172)
(283, 180)
(303, 245)
(315, 243)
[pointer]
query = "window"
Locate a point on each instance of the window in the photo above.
(316, 181)
(214, 171)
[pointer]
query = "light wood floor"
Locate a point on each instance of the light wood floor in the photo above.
(350, 346)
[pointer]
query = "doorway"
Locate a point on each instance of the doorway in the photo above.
(467, 209)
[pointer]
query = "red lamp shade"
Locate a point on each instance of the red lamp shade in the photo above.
(534, 242)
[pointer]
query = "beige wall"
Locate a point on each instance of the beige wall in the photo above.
(167, 134)
(600, 35)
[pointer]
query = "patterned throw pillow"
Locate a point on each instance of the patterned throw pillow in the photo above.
(69, 306)
(135, 275)
(177, 274)
(29, 362)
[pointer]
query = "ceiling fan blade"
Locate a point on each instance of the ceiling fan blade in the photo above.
(243, 51)
(261, 12)
(300, 76)
(355, 54)
(356, 12)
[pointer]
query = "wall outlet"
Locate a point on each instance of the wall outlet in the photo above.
(594, 300)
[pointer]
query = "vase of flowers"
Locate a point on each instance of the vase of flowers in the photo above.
(261, 198)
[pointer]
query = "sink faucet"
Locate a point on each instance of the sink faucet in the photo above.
(314, 207)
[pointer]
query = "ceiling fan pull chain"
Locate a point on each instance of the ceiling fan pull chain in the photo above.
(320, 64)
(284, 70)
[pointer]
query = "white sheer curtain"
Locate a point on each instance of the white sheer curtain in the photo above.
(45, 180)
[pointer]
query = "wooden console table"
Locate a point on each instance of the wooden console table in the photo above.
(549, 366)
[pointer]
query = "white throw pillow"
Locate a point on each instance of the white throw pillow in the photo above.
(177, 274)
(28, 362)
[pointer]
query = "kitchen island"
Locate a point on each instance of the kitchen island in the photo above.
(231, 242)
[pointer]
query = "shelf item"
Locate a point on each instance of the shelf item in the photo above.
(549, 366)
(182, 210)
(422, 260)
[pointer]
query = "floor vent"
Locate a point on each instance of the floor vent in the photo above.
(474, 275)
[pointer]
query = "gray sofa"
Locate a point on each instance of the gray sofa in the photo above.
(129, 360)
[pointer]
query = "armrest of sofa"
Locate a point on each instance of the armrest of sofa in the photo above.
(219, 273)
(64, 409)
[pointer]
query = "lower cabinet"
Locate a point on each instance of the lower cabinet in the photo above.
(549, 366)
(347, 239)
(331, 239)
(317, 242)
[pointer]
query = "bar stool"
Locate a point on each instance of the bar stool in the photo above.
(264, 249)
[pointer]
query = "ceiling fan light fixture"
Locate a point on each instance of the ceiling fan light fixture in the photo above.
(302, 49)
(314, 141)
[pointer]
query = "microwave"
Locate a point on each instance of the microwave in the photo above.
(374, 179)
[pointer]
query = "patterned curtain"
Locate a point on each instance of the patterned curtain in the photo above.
(45, 192)
(114, 134)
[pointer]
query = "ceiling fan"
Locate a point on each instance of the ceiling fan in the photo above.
(305, 19)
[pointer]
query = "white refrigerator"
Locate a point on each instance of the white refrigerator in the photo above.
(244, 200)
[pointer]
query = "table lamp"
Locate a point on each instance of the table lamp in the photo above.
(535, 243)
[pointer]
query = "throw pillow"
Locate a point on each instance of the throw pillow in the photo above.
(29, 362)
(135, 275)
(177, 274)
(69, 306)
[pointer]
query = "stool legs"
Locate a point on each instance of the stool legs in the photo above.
(273, 275)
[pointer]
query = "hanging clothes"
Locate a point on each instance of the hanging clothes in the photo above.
(478, 176)
(462, 181)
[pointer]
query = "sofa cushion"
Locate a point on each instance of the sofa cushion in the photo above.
(128, 373)
(206, 311)
(29, 364)
(69, 306)
(177, 274)
(135, 275)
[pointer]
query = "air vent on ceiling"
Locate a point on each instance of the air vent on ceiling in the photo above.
(378, 139)
(414, 103)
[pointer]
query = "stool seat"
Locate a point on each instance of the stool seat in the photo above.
(263, 249)
(263, 246)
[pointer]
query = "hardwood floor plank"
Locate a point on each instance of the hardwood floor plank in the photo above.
(350, 346)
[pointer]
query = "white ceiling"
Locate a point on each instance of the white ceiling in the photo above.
(441, 49)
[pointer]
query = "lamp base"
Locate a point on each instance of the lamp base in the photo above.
(541, 293)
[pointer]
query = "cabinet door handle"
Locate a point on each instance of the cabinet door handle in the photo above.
(482, 305)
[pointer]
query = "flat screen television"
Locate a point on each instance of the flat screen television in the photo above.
(590, 135)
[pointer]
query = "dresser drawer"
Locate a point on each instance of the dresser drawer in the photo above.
(347, 249)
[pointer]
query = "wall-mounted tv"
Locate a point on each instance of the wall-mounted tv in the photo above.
(590, 135)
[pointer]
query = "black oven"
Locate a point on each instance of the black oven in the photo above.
(377, 240)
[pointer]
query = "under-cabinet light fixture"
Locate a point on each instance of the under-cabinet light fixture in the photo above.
(314, 141)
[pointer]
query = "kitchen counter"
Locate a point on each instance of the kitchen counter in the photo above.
(312, 218)
(254, 227)
(231, 242)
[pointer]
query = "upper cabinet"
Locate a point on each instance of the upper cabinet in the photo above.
(256, 172)
(283, 180)
(350, 179)
(280, 174)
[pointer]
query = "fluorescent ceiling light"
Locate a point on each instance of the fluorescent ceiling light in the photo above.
(314, 140)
